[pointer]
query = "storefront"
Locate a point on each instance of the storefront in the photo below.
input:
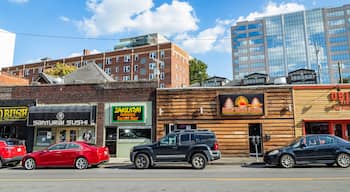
(127, 124)
(246, 120)
(62, 123)
(322, 110)
(13, 121)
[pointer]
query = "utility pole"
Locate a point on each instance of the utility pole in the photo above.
(317, 51)
(339, 72)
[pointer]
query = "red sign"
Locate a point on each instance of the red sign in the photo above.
(343, 99)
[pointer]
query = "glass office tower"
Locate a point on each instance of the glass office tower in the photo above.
(315, 39)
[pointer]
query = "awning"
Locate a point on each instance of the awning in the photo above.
(62, 115)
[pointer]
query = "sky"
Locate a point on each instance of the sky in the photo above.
(63, 28)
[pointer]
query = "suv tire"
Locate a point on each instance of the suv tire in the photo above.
(141, 161)
(199, 161)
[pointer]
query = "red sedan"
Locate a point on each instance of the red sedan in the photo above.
(68, 154)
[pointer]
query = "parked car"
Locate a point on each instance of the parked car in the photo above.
(80, 155)
(196, 147)
(312, 149)
(11, 151)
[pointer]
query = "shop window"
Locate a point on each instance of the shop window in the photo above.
(132, 133)
(316, 128)
(44, 137)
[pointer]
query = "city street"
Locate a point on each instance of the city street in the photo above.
(177, 178)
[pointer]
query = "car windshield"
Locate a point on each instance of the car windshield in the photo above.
(295, 143)
(12, 142)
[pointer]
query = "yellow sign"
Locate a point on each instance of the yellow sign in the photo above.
(13, 113)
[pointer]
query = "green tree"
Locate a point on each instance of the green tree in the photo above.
(198, 71)
(60, 70)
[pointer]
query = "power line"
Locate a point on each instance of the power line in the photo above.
(92, 38)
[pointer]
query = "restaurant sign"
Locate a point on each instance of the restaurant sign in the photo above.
(13, 113)
(128, 114)
(240, 105)
(343, 99)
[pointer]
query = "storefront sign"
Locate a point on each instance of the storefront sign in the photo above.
(13, 113)
(249, 104)
(343, 99)
(62, 116)
(128, 114)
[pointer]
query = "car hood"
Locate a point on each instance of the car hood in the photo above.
(143, 146)
(286, 148)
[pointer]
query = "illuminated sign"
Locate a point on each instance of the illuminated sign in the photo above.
(343, 99)
(128, 114)
(13, 113)
(249, 104)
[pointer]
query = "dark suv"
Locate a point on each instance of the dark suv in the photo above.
(193, 146)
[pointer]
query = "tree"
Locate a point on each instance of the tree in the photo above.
(60, 70)
(198, 71)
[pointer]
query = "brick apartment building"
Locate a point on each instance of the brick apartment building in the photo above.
(136, 58)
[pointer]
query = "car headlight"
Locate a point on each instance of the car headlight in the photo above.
(274, 152)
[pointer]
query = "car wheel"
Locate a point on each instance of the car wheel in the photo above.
(29, 164)
(198, 161)
(343, 160)
(81, 163)
(141, 161)
(0, 162)
(287, 161)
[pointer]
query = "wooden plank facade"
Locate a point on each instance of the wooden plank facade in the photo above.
(322, 109)
(200, 107)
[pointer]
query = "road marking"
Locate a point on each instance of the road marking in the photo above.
(174, 179)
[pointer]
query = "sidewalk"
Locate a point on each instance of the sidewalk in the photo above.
(223, 161)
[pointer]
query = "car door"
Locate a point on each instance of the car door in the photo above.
(307, 151)
(167, 149)
(53, 156)
(327, 148)
(185, 143)
(71, 153)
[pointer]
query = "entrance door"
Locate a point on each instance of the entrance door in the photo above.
(255, 139)
(338, 130)
(66, 135)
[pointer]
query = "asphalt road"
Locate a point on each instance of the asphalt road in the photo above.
(177, 178)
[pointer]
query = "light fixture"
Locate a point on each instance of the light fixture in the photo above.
(160, 111)
(201, 110)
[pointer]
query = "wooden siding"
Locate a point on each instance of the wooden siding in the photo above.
(182, 106)
(315, 104)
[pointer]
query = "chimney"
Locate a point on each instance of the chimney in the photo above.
(86, 52)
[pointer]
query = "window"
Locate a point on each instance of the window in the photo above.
(168, 140)
(108, 61)
(152, 55)
(325, 140)
(162, 54)
(126, 78)
(162, 76)
(73, 146)
(136, 68)
(126, 69)
(152, 66)
(59, 146)
(40, 69)
(108, 70)
(127, 58)
(43, 137)
(143, 71)
(185, 139)
(116, 59)
(136, 57)
(138, 133)
(162, 65)
(26, 72)
(77, 64)
(100, 65)
(143, 60)
(117, 69)
(116, 78)
(162, 85)
(151, 76)
(311, 141)
(136, 77)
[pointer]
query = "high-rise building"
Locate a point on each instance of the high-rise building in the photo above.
(317, 39)
(7, 48)
(147, 57)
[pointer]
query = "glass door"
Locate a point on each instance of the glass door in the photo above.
(66, 135)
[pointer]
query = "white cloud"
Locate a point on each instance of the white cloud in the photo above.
(113, 16)
(64, 19)
(216, 38)
(18, 1)
(273, 9)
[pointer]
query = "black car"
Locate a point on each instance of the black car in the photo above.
(193, 146)
(312, 149)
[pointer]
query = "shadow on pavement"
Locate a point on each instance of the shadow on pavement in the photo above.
(263, 165)
(156, 167)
